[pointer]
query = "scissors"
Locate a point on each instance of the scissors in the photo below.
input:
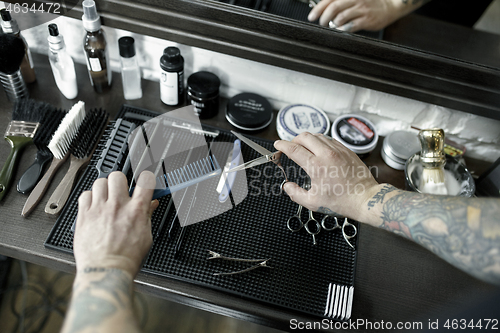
(297, 220)
(346, 224)
(267, 156)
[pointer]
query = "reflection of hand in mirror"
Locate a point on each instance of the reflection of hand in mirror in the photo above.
(354, 15)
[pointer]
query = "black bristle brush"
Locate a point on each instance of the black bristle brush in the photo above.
(41, 139)
(59, 146)
(81, 149)
(26, 116)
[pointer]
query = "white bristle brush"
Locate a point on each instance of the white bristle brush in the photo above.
(59, 146)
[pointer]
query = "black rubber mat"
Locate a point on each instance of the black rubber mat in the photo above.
(302, 274)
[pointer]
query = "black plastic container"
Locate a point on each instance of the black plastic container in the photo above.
(203, 93)
(172, 77)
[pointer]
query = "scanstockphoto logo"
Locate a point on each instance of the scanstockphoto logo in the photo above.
(29, 14)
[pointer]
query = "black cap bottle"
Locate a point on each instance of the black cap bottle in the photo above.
(172, 77)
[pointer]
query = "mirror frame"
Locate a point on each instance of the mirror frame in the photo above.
(310, 49)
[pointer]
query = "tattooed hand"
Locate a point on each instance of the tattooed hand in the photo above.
(340, 181)
(113, 230)
(354, 15)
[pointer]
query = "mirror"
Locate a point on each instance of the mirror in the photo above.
(441, 27)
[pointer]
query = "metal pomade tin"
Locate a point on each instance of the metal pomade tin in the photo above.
(294, 119)
(249, 112)
(398, 147)
(356, 133)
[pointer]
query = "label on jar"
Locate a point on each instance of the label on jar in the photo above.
(169, 88)
(95, 65)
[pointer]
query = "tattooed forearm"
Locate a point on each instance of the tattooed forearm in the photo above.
(379, 196)
(463, 231)
(101, 301)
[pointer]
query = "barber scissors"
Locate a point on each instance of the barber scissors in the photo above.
(345, 225)
(295, 223)
(267, 156)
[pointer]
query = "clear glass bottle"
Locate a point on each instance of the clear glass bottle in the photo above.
(95, 49)
(131, 73)
(62, 64)
(9, 26)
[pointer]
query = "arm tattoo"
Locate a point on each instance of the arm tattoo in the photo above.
(101, 299)
(328, 211)
(379, 196)
(464, 232)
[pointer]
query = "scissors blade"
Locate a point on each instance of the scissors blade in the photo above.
(250, 164)
(255, 146)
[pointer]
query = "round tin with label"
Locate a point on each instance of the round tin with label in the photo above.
(248, 111)
(398, 147)
(294, 119)
(356, 133)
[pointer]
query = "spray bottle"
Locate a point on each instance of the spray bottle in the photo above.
(61, 63)
(95, 49)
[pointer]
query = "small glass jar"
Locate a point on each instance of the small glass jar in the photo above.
(203, 94)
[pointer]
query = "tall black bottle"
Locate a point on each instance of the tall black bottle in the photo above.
(95, 48)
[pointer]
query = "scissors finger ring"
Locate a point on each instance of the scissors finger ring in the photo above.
(346, 236)
(295, 223)
(317, 227)
(324, 223)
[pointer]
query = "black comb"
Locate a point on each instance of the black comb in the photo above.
(81, 149)
(41, 139)
(116, 147)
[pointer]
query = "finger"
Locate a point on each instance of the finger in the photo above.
(311, 142)
(117, 186)
(297, 193)
(334, 10)
(143, 192)
(343, 19)
(154, 204)
(318, 10)
(298, 153)
(100, 191)
(85, 201)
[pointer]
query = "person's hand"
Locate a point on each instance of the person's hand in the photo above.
(112, 229)
(354, 15)
(340, 181)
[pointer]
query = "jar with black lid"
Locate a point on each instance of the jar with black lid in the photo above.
(203, 93)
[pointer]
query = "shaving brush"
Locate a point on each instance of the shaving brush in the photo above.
(433, 160)
(12, 52)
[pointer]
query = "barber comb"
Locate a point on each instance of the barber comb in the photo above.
(81, 149)
(26, 117)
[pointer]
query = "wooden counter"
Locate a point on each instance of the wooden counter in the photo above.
(396, 280)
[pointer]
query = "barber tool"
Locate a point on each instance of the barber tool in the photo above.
(295, 223)
(115, 149)
(267, 156)
(59, 146)
(227, 180)
(261, 263)
(25, 122)
(213, 135)
(12, 54)
(81, 149)
(336, 225)
(48, 126)
(339, 301)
